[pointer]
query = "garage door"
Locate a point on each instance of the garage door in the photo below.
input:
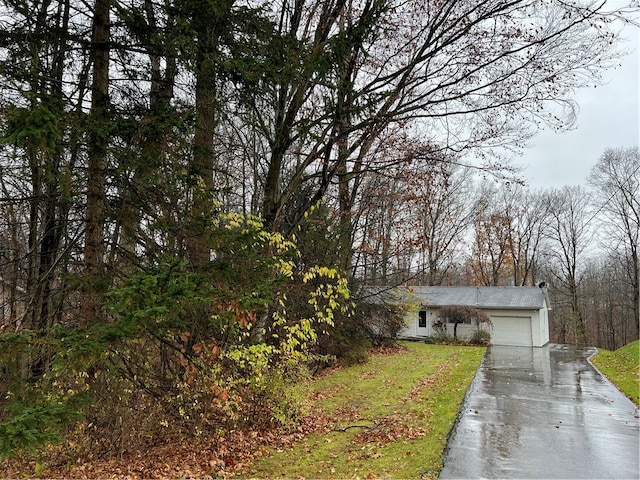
(512, 331)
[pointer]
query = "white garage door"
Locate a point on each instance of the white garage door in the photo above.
(512, 331)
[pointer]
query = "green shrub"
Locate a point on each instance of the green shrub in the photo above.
(345, 344)
(197, 351)
(31, 426)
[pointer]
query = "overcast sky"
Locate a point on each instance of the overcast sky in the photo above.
(608, 118)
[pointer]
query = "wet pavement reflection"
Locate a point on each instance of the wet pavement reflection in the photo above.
(543, 413)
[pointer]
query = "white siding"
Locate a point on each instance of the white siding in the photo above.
(412, 328)
(410, 324)
(518, 327)
(543, 322)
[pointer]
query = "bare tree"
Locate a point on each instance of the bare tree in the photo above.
(569, 233)
(380, 229)
(616, 182)
(467, 76)
(492, 232)
(528, 211)
(607, 313)
(440, 211)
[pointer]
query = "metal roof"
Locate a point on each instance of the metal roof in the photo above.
(524, 298)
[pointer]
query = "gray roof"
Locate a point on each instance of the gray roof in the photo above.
(525, 298)
(482, 297)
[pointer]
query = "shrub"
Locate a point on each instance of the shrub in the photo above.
(34, 411)
(381, 323)
(480, 336)
(196, 351)
(30, 426)
(439, 328)
(442, 338)
(345, 344)
(372, 323)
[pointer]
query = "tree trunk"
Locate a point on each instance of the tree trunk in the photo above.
(209, 20)
(578, 319)
(97, 162)
(635, 265)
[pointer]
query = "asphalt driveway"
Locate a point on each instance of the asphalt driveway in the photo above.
(543, 413)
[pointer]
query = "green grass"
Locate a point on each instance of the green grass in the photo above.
(622, 367)
(388, 418)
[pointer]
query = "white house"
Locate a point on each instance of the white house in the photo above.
(519, 314)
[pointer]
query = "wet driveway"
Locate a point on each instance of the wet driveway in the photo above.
(543, 413)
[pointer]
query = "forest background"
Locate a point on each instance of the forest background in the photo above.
(193, 193)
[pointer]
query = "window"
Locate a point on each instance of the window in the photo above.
(422, 319)
(467, 321)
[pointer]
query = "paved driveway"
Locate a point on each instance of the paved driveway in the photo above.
(543, 413)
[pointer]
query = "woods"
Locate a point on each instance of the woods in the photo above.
(192, 192)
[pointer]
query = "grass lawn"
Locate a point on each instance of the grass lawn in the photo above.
(622, 367)
(387, 418)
